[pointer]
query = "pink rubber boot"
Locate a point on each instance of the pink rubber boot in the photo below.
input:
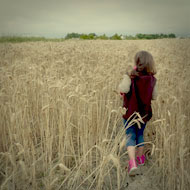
(141, 160)
(132, 167)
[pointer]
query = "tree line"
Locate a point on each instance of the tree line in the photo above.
(92, 36)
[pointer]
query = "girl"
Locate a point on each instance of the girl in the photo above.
(137, 90)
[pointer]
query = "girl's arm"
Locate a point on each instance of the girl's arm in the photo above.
(154, 93)
(125, 84)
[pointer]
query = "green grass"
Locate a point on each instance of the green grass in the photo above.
(18, 39)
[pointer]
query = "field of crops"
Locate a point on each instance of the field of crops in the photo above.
(61, 119)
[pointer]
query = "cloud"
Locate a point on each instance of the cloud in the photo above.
(48, 17)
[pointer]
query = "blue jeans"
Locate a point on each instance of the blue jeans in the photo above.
(135, 135)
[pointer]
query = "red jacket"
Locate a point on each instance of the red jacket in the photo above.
(138, 99)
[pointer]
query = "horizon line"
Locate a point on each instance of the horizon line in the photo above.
(98, 34)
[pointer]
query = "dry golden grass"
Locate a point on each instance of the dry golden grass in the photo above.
(60, 119)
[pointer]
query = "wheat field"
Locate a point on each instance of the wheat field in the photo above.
(61, 119)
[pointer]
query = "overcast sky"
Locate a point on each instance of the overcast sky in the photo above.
(56, 18)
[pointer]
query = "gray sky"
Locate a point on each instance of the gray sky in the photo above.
(56, 18)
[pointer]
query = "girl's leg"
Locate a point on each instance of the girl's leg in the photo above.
(140, 151)
(131, 141)
(131, 152)
(140, 139)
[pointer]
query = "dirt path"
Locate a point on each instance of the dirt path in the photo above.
(144, 180)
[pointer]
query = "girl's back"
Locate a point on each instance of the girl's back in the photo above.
(141, 88)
